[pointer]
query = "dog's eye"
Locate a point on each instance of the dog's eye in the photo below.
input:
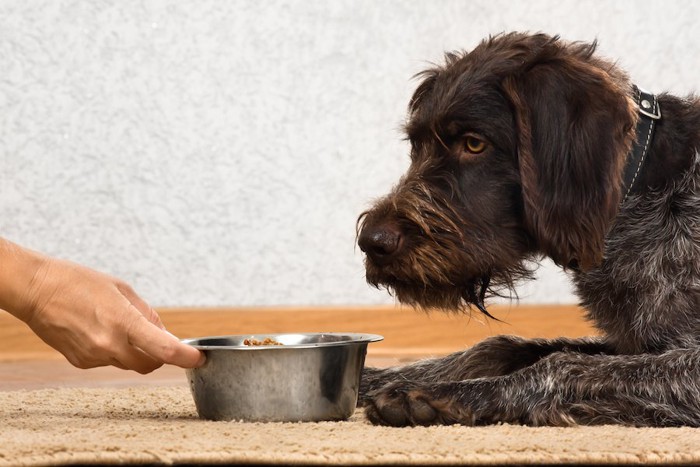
(474, 145)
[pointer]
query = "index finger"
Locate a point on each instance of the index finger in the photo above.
(162, 345)
(140, 304)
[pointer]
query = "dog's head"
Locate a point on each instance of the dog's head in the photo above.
(517, 150)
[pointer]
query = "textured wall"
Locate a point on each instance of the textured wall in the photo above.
(219, 152)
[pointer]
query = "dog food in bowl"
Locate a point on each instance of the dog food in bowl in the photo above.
(267, 341)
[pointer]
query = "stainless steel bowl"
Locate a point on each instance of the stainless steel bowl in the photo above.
(310, 377)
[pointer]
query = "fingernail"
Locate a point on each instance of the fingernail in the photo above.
(202, 359)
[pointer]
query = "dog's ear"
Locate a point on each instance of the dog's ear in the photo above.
(575, 127)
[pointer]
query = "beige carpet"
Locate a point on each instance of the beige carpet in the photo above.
(160, 426)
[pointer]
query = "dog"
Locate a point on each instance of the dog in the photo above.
(526, 147)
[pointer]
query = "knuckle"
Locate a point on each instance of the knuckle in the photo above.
(81, 362)
(98, 344)
(144, 370)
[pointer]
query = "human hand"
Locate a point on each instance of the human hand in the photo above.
(97, 320)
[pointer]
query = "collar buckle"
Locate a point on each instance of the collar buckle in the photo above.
(647, 104)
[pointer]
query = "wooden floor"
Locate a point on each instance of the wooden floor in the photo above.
(27, 363)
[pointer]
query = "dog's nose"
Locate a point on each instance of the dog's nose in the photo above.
(381, 242)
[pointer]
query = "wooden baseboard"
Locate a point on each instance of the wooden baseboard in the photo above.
(407, 333)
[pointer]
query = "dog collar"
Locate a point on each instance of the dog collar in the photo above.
(649, 112)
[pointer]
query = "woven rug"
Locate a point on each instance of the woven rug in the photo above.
(159, 425)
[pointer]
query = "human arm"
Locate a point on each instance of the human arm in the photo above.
(91, 318)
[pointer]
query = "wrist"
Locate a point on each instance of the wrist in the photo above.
(20, 269)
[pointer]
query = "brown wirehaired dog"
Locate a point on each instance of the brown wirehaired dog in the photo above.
(530, 146)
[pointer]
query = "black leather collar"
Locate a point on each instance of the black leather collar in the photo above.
(649, 112)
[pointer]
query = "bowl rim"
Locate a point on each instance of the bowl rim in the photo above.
(353, 338)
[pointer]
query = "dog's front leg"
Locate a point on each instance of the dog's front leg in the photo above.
(562, 389)
(477, 401)
(495, 356)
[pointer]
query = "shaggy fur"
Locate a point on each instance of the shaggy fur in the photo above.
(517, 152)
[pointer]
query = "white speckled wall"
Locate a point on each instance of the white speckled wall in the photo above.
(219, 152)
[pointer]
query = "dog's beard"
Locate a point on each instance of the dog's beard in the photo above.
(459, 295)
(477, 298)
(443, 263)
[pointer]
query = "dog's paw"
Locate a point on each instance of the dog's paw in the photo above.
(408, 404)
(371, 380)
